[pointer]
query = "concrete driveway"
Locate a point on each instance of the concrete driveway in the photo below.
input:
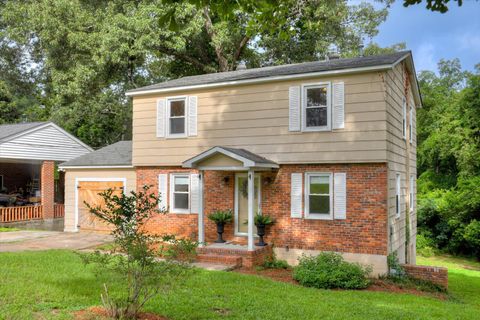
(45, 240)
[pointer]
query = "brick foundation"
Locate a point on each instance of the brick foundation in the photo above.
(364, 231)
(436, 275)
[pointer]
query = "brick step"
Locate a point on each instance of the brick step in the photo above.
(233, 261)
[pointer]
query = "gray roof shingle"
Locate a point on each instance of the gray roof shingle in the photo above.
(249, 155)
(8, 130)
(283, 70)
(117, 154)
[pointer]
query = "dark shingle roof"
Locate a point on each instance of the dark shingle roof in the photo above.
(8, 130)
(117, 154)
(283, 70)
(249, 155)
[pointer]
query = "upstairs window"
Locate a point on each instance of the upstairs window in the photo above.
(318, 196)
(410, 125)
(316, 108)
(176, 117)
(179, 193)
(412, 186)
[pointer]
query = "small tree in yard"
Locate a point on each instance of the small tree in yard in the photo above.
(134, 271)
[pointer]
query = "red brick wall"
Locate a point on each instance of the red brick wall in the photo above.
(47, 187)
(436, 275)
(364, 230)
(182, 225)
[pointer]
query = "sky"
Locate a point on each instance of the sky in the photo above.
(432, 36)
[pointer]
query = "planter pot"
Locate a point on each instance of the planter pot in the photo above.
(220, 229)
(261, 233)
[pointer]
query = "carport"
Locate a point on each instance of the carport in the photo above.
(31, 188)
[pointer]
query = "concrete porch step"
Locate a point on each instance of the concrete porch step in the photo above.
(232, 261)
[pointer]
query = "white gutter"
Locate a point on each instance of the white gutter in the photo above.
(95, 167)
(262, 80)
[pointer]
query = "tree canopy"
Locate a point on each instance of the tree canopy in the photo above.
(80, 56)
(433, 5)
(448, 158)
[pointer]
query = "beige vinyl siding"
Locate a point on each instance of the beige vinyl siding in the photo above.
(401, 159)
(72, 174)
(255, 117)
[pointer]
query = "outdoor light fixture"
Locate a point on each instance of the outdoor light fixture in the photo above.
(226, 180)
(267, 180)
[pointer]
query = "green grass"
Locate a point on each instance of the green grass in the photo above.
(463, 276)
(53, 284)
(8, 229)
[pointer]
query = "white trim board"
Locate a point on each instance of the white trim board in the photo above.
(94, 167)
(262, 80)
(77, 180)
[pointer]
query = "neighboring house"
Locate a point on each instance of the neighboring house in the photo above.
(327, 148)
(29, 153)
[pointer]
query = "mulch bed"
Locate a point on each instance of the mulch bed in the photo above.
(99, 313)
(379, 285)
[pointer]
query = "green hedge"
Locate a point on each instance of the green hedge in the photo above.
(329, 270)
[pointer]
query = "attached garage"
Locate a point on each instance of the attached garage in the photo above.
(88, 191)
(91, 174)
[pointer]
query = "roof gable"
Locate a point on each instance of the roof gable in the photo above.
(243, 157)
(40, 141)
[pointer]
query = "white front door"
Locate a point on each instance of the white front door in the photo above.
(241, 203)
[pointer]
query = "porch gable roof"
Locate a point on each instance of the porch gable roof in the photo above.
(245, 158)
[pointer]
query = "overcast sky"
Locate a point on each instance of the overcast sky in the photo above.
(432, 36)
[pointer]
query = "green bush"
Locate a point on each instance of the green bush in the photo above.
(329, 270)
(184, 250)
(425, 246)
(271, 262)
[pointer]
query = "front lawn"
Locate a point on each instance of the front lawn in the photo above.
(53, 284)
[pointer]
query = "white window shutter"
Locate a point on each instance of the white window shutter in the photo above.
(338, 109)
(296, 195)
(162, 191)
(340, 195)
(192, 115)
(294, 108)
(194, 192)
(161, 118)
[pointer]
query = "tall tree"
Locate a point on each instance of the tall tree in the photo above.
(87, 53)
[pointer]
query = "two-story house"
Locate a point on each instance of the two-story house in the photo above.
(327, 148)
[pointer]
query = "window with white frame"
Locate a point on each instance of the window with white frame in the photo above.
(410, 125)
(404, 119)
(316, 107)
(412, 186)
(176, 117)
(318, 196)
(397, 194)
(180, 193)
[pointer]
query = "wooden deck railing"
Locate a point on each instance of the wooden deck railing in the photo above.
(59, 210)
(14, 214)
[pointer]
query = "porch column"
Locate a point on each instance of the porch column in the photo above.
(251, 190)
(47, 188)
(201, 218)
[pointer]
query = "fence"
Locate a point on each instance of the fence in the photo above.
(59, 210)
(25, 213)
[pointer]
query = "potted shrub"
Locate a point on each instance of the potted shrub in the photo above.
(221, 217)
(261, 221)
